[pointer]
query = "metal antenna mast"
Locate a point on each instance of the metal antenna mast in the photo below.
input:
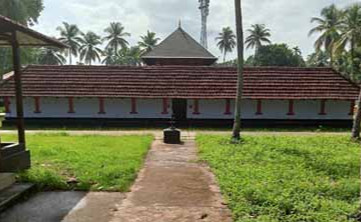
(204, 7)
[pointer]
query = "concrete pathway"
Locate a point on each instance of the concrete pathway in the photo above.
(66, 207)
(173, 187)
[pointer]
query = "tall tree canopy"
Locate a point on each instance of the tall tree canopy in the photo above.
(276, 55)
(226, 41)
(116, 36)
(148, 41)
(327, 26)
(70, 35)
(26, 12)
(258, 36)
(89, 50)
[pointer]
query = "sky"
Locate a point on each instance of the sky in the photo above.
(288, 20)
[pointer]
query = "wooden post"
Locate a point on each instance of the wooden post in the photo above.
(291, 111)
(259, 107)
(228, 107)
(18, 89)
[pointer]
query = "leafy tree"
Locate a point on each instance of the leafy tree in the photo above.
(51, 56)
(258, 35)
(89, 50)
(125, 56)
(236, 136)
(116, 36)
(26, 12)
(129, 56)
(327, 26)
(226, 41)
(148, 42)
(318, 59)
(70, 35)
(276, 55)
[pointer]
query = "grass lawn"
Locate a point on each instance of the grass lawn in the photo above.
(68, 162)
(286, 178)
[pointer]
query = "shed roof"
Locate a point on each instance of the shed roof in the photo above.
(179, 45)
(202, 82)
(24, 35)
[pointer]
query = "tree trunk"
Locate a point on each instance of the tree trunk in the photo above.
(352, 56)
(224, 56)
(255, 56)
(331, 57)
(240, 50)
(357, 120)
(70, 60)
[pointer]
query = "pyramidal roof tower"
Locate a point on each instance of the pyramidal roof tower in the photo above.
(179, 49)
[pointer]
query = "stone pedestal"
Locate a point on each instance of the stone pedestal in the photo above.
(172, 136)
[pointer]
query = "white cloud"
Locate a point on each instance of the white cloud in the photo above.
(289, 20)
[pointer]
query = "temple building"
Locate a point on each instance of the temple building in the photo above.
(179, 79)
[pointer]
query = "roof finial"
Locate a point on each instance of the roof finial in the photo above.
(180, 23)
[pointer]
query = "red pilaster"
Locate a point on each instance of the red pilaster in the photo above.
(165, 106)
(322, 108)
(291, 111)
(71, 105)
(134, 106)
(196, 107)
(101, 106)
(352, 108)
(7, 104)
(37, 104)
(228, 107)
(259, 107)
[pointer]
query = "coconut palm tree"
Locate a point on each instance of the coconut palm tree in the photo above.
(51, 56)
(116, 36)
(351, 36)
(148, 41)
(297, 51)
(318, 59)
(258, 35)
(89, 51)
(327, 26)
(351, 29)
(226, 41)
(240, 51)
(70, 35)
(110, 57)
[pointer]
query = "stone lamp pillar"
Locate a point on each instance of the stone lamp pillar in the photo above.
(172, 135)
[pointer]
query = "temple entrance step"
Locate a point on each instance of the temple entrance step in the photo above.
(12, 194)
(6, 180)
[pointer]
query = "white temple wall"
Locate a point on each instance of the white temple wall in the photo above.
(89, 108)
(208, 109)
(272, 109)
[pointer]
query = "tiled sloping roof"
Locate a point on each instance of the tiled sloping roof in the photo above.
(179, 45)
(25, 36)
(182, 82)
